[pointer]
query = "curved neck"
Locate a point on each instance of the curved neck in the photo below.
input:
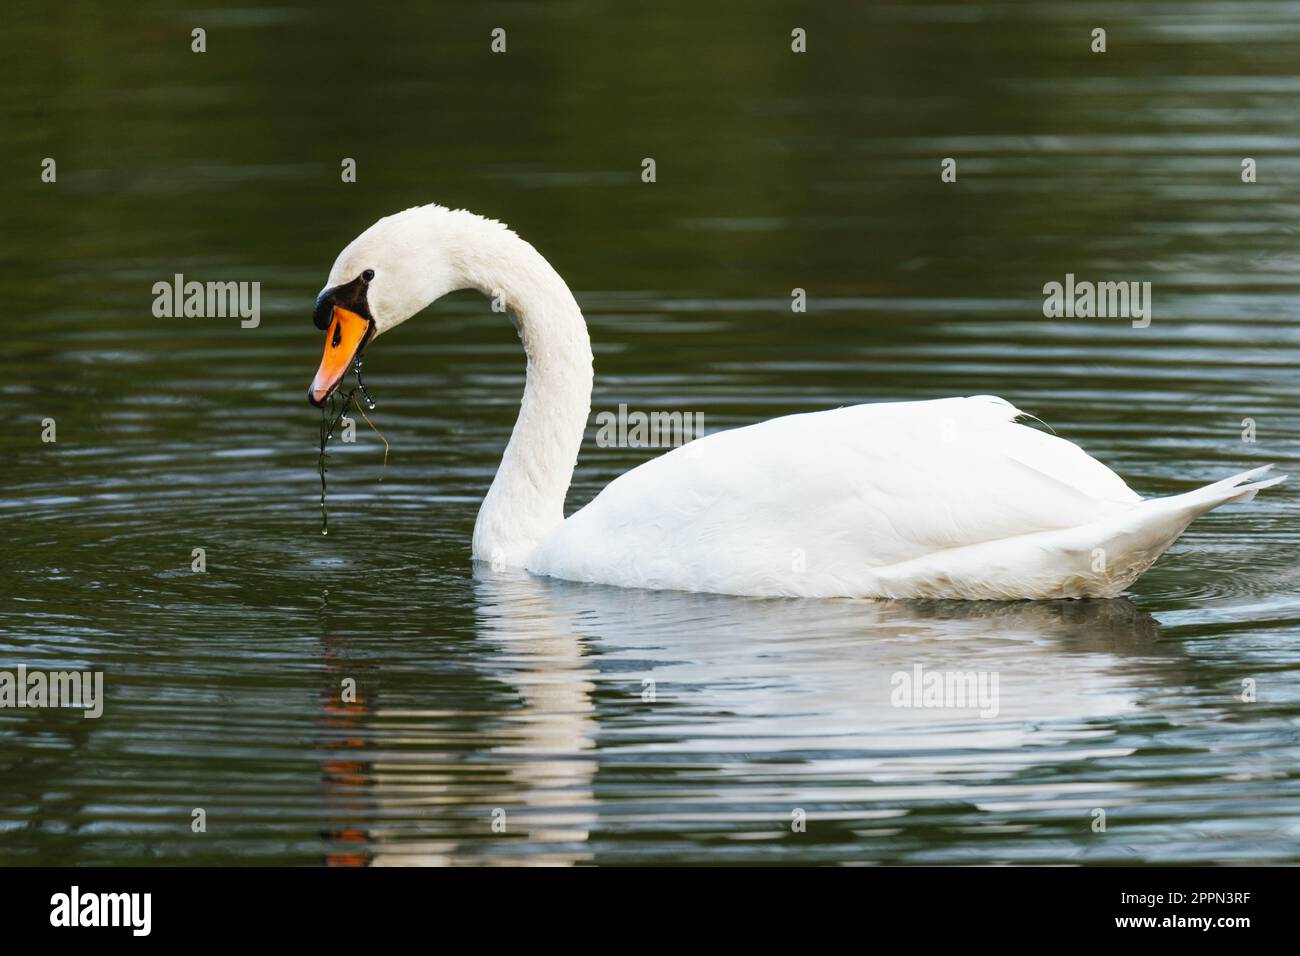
(526, 500)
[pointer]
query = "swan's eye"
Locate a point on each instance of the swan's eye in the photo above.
(368, 274)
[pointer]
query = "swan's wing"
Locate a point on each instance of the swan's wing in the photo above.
(828, 494)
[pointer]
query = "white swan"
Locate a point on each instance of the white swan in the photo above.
(948, 498)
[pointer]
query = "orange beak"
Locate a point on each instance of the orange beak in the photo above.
(343, 339)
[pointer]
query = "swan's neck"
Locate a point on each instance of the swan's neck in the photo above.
(526, 500)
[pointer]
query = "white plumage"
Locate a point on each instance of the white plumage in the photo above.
(947, 498)
(944, 499)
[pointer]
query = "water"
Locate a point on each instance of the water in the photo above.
(478, 692)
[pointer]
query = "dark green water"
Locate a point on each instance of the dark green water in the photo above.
(775, 170)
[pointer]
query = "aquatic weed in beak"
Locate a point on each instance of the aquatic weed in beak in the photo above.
(330, 419)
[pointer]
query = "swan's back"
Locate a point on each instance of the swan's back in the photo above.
(826, 503)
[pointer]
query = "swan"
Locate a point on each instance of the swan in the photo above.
(946, 498)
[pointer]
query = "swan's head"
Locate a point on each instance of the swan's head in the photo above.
(384, 276)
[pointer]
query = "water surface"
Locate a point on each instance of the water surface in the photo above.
(480, 692)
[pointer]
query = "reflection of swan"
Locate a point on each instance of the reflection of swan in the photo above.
(947, 498)
(552, 764)
(532, 789)
(757, 707)
(799, 661)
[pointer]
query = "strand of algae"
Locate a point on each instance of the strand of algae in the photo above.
(331, 415)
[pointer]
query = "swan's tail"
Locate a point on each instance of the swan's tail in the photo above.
(1098, 559)
(1237, 488)
(1133, 545)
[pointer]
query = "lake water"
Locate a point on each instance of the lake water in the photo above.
(489, 698)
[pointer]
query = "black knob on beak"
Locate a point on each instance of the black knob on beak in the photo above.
(324, 310)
